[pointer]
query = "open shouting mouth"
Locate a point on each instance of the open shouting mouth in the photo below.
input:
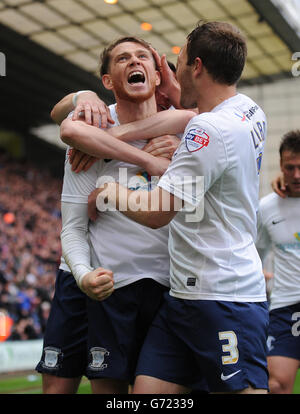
(136, 77)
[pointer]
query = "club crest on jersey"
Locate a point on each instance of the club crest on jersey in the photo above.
(97, 356)
(52, 357)
(196, 139)
(270, 341)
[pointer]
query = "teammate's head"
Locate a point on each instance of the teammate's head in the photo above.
(128, 69)
(222, 49)
(289, 151)
(215, 52)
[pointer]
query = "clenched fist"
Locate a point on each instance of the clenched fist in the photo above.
(98, 284)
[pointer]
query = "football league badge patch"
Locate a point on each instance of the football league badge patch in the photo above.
(196, 139)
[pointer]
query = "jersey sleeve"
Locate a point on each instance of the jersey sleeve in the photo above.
(75, 245)
(74, 240)
(199, 161)
(78, 186)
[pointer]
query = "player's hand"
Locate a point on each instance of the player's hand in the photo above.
(163, 146)
(80, 161)
(92, 206)
(278, 185)
(92, 201)
(168, 82)
(268, 275)
(98, 284)
(109, 191)
(168, 79)
(95, 111)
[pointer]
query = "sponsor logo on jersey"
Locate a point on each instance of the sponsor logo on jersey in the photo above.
(144, 176)
(251, 111)
(142, 181)
(196, 139)
(290, 246)
(241, 116)
(297, 235)
(247, 115)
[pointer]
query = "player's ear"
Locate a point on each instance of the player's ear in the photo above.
(107, 81)
(198, 66)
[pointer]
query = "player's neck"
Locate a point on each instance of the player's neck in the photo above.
(128, 111)
(213, 95)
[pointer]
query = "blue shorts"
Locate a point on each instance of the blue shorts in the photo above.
(218, 343)
(118, 326)
(65, 340)
(284, 332)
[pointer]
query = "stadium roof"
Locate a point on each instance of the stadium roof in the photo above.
(52, 47)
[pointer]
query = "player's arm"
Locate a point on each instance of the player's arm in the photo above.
(189, 176)
(87, 106)
(98, 143)
(263, 241)
(152, 209)
(86, 103)
(263, 245)
(96, 283)
(74, 233)
(163, 146)
(162, 123)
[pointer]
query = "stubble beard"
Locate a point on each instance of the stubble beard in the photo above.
(186, 102)
(135, 97)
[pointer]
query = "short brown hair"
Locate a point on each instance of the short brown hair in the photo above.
(222, 49)
(290, 142)
(105, 55)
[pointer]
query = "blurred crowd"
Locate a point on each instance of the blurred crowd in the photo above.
(30, 224)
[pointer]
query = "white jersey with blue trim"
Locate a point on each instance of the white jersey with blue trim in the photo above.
(279, 231)
(130, 250)
(216, 170)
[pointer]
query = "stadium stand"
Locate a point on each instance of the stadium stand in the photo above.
(30, 224)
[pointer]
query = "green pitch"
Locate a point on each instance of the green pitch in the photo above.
(32, 384)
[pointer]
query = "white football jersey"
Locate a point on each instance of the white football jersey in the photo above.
(130, 250)
(212, 251)
(279, 231)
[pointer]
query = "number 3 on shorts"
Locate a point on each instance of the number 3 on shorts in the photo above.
(230, 346)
